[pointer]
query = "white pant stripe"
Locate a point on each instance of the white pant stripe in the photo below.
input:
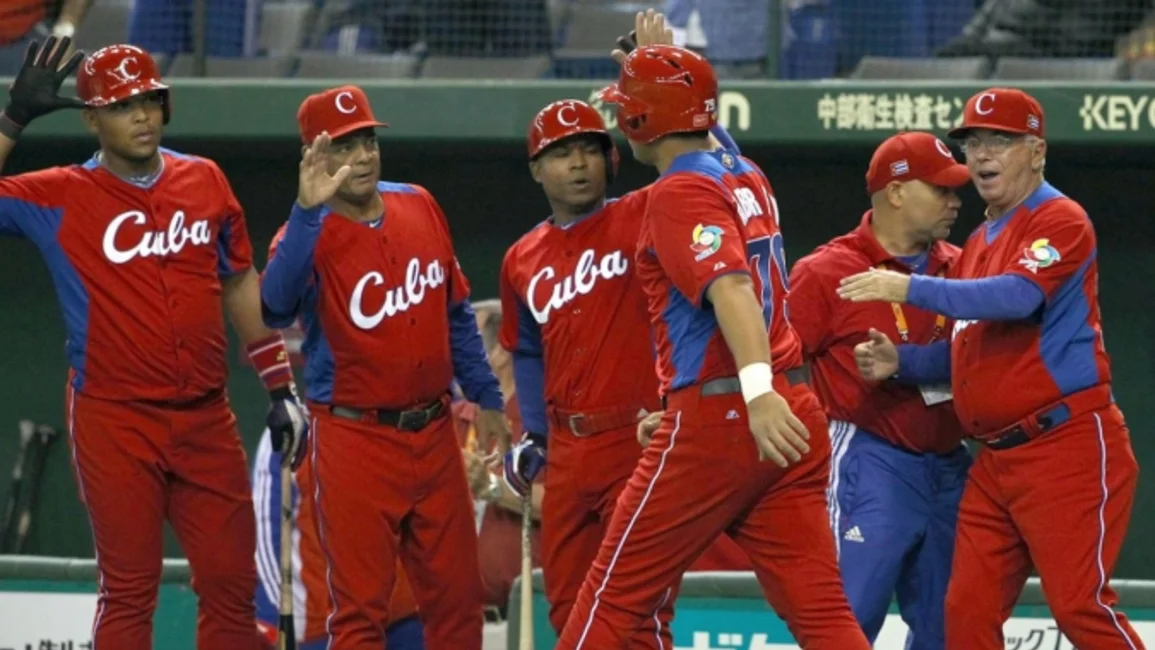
(629, 527)
(1103, 534)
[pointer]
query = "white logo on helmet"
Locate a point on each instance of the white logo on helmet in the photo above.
(979, 104)
(943, 149)
(561, 115)
(123, 74)
(341, 107)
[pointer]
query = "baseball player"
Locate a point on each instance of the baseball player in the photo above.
(899, 465)
(711, 263)
(1053, 485)
(583, 385)
(149, 252)
(310, 595)
(370, 269)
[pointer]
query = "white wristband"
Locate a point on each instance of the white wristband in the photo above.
(756, 380)
(64, 29)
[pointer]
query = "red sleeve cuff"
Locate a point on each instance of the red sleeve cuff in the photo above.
(271, 360)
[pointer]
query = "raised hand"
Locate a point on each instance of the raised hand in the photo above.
(649, 29)
(35, 92)
(316, 185)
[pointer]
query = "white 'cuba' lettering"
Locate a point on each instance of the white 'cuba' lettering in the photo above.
(397, 299)
(155, 243)
(580, 283)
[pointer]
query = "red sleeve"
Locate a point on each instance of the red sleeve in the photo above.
(458, 284)
(235, 251)
(1057, 241)
(509, 304)
(26, 199)
(810, 306)
(695, 235)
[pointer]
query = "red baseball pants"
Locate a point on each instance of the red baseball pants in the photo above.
(1060, 503)
(381, 493)
(138, 464)
(312, 579)
(582, 484)
(699, 477)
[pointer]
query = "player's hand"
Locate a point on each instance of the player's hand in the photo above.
(875, 284)
(492, 430)
(647, 426)
(288, 425)
(35, 92)
(649, 29)
(524, 462)
(779, 434)
(316, 185)
(877, 359)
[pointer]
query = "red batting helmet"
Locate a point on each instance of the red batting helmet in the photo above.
(117, 72)
(664, 89)
(567, 118)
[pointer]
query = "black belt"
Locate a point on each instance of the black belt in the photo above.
(1051, 417)
(409, 420)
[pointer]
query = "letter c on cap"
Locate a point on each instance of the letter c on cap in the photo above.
(341, 107)
(979, 104)
(943, 149)
(561, 115)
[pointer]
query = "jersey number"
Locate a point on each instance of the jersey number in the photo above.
(759, 253)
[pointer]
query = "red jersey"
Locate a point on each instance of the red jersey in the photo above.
(570, 296)
(711, 213)
(376, 300)
(1005, 371)
(137, 270)
(830, 328)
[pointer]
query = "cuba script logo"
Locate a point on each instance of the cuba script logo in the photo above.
(155, 243)
(580, 283)
(397, 299)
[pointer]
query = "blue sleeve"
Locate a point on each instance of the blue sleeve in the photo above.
(529, 373)
(924, 364)
(470, 362)
(678, 12)
(720, 132)
(288, 273)
(1000, 297)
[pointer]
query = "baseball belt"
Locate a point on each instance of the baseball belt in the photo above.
(590, 422)
(409, 420)
(1051, 417)
(731, 385)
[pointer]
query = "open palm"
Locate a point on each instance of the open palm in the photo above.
(316, 184)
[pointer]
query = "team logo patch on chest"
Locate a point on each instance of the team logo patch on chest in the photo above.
(544, 295)
(153, 243)
(1039, 255)
(399, 299)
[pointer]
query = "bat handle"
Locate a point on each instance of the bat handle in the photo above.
(525, 633)
(287, 638)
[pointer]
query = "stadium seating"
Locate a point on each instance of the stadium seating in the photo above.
(325, 65)
(104, 24)
(283, 26)
(183, 65)
(452, 67)
(1025, 69)
(1143, 70)
(874, 67)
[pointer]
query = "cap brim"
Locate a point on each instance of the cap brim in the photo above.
(954, 176)
(346, 129)
(960, 132)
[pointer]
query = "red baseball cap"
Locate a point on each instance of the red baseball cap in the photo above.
(339, 111)
(914, 156)
(1002, 109)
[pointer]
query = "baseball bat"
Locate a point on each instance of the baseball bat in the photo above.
(525, 635)
(27, 431)
(287, 631)
(45, 435)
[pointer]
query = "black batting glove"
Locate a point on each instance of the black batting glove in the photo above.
(35, 92)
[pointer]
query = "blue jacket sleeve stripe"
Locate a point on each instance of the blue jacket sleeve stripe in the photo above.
(529, 373)
(924, 364)
(470, 361)
(1001, 297)
(288, 273)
